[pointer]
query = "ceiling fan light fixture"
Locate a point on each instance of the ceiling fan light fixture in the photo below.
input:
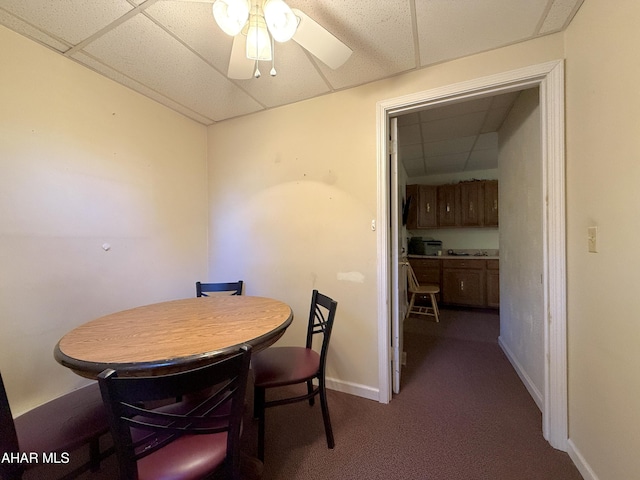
(280, 20)
(231, 15)
(258, 40)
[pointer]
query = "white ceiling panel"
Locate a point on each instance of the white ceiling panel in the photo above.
(454, 145)
(68, 20)
(409, 134)
(144, 52)
(463, 135)
(409, 152)
(379, 33)
(453, 127)
(482, 160)
(174, 52)
(452, 29)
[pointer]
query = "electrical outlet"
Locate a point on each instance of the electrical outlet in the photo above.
(592, 239)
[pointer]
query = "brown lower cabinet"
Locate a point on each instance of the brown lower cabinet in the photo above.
(464, 282)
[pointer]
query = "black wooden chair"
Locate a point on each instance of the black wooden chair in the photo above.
(56, 428)
(235, 287)
(282, 366)
(188, 440)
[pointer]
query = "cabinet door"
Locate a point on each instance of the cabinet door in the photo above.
(427, 206)
(491, 203)
(447, 206)
(463, 287)
(471, 204)
(412, 198)
(493, 284)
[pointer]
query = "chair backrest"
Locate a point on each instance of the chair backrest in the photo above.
(235, 287)
(216, 402)
(411, 277)
(8, 436)
(321, 316)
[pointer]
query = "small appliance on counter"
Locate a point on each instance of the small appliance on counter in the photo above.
(432, 247)
(420, 246)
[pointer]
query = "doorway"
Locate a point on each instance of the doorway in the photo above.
(549, 78)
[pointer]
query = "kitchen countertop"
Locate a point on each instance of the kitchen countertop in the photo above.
(455, 257)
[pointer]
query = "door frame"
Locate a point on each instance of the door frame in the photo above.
(549, 78)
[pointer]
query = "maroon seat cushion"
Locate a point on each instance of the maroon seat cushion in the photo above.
(189, 457)
(278, 366)
(64, 423)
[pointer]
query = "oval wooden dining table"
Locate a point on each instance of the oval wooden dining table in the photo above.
(172, 336)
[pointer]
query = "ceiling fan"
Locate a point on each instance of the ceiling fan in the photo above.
(257, 24)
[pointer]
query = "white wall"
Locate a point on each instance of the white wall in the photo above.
(603, 179)
(293, 193)
(84, 162)
(521, 241)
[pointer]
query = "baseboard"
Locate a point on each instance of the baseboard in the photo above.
(580, 463)
(528, 383)
(363, 391)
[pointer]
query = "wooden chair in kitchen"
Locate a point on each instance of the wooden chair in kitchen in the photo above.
(203, 288)
(284, 366)
(188, 440)
(415, 289)
(55, 428)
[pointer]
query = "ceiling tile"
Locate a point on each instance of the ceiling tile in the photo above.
(138, 87)
(453, 29)
(69, 20)
(461, 126)
(409, 152)
(409, 134)
(455, 109)
(141, 50)
(482, 160)
(193, 23)
(454, 145)
(379, 33)
(23, 28)
(487, 141)
(559, 15)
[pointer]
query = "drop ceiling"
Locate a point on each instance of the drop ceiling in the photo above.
(173, 52)
(461, 137)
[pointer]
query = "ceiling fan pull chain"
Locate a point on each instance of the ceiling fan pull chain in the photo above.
(273, 58)
(257, 72)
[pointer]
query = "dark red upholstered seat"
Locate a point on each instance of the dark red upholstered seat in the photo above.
(60, 425)
(188, 440)
(65, 423)
(282, 366)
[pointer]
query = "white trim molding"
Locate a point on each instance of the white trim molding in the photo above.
(549, 77)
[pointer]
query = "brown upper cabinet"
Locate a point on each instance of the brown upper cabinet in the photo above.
(465, 204)
(471, 204)
(491, 203)
(448, 206)
(423, 200)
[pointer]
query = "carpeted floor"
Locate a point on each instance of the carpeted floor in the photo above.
(462, 414)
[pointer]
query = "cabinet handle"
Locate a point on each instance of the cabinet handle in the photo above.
(428, 207)
(448, 208)
(495, 204)
(471, 207)
(462, 285)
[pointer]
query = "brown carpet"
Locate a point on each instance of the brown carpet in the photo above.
(462, 414)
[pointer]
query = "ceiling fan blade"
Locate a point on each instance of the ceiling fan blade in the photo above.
(320, 42)
(240, 67)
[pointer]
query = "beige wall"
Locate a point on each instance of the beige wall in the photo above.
(293, 193)
(84, 162)
(603, 179)
(521, 242)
